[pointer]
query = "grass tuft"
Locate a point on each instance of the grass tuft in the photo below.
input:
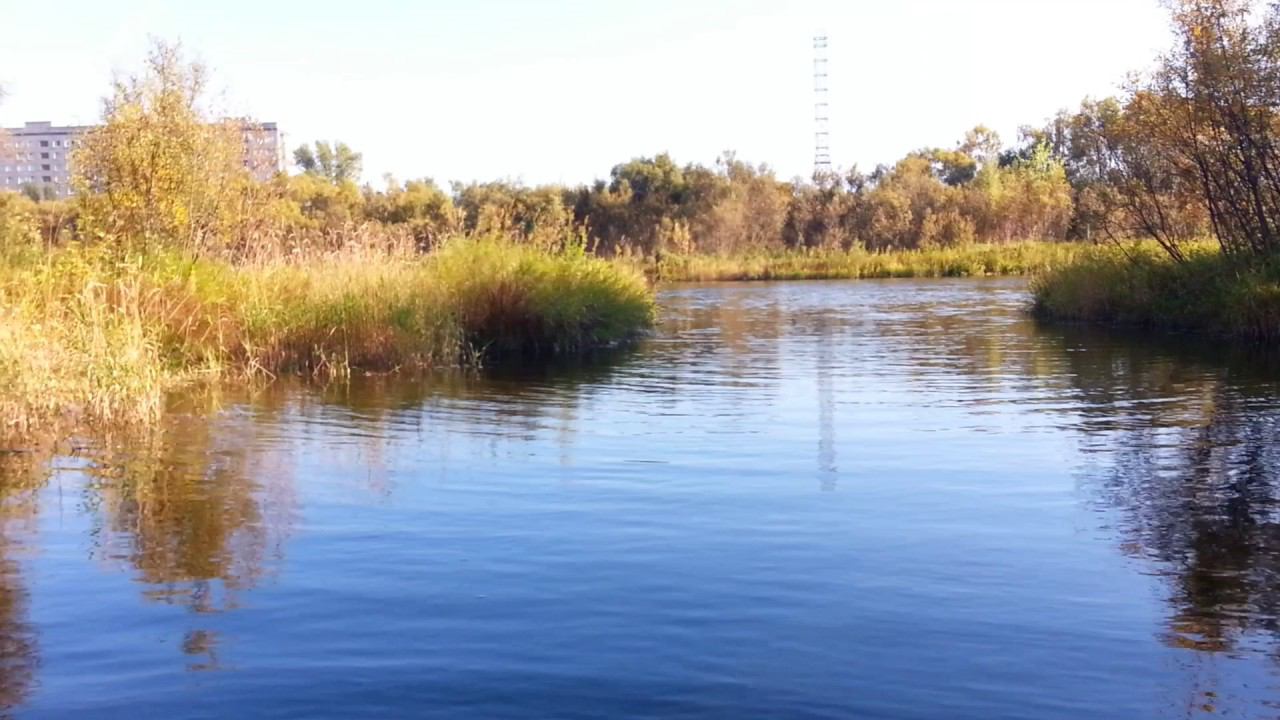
(1142, 286)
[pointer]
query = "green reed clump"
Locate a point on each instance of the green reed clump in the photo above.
(88, 333)
(515, 299)
(965, 261)
(1140, 285)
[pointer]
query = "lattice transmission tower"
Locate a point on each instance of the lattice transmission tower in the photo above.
(821, 109)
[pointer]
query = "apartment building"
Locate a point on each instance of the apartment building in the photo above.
(263, 148)
(38, 154)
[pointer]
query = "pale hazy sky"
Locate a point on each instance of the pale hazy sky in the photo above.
(561, 90)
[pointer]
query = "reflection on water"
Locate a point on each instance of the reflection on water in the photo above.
(1194, 466)
(19, 659)
(895, 499)
(194, 512)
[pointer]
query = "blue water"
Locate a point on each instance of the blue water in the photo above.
(822, 500)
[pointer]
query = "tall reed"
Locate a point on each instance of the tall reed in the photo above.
(965, 261)
(92, 335)
(1140, 285)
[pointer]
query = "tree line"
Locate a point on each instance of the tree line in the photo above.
(1186, 151)
(977, 191)
(160, 170)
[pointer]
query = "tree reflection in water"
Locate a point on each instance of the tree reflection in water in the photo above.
(1182, 444)
(197, 511)
(1204, 507)
(200, 510)
(21, 476)
(1194, 471)
(1181, 440)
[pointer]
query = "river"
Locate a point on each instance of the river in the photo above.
(895, 499)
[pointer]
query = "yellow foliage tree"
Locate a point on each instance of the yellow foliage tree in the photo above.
(158, 172)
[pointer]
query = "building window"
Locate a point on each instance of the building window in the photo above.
(44, 143)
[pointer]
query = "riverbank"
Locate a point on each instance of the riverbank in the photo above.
(1141, 286)
(89, 336)
(1022, 258)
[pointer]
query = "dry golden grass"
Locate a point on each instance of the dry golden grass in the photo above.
(91, 337)
(1024, 258)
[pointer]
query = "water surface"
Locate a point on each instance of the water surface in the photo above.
(816, 500)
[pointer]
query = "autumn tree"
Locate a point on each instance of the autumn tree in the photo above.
(537, 214)
(159, 170)
(1082, 142)
(735, 207)
(1197, 144)
(1025, 199)
(821, 212)
(419, 205)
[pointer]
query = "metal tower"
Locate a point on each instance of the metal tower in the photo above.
(821, 108)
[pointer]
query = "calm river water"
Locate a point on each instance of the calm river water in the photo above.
(823, 500)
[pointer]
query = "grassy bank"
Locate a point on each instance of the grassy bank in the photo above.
(1143, 287)
(90, 336)
(1023, 258)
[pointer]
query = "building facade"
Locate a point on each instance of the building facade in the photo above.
(263, 149)
(37, 155)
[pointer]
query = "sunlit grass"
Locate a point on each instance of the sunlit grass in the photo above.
(968, 261)
(1140, 285)
(90, 336)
